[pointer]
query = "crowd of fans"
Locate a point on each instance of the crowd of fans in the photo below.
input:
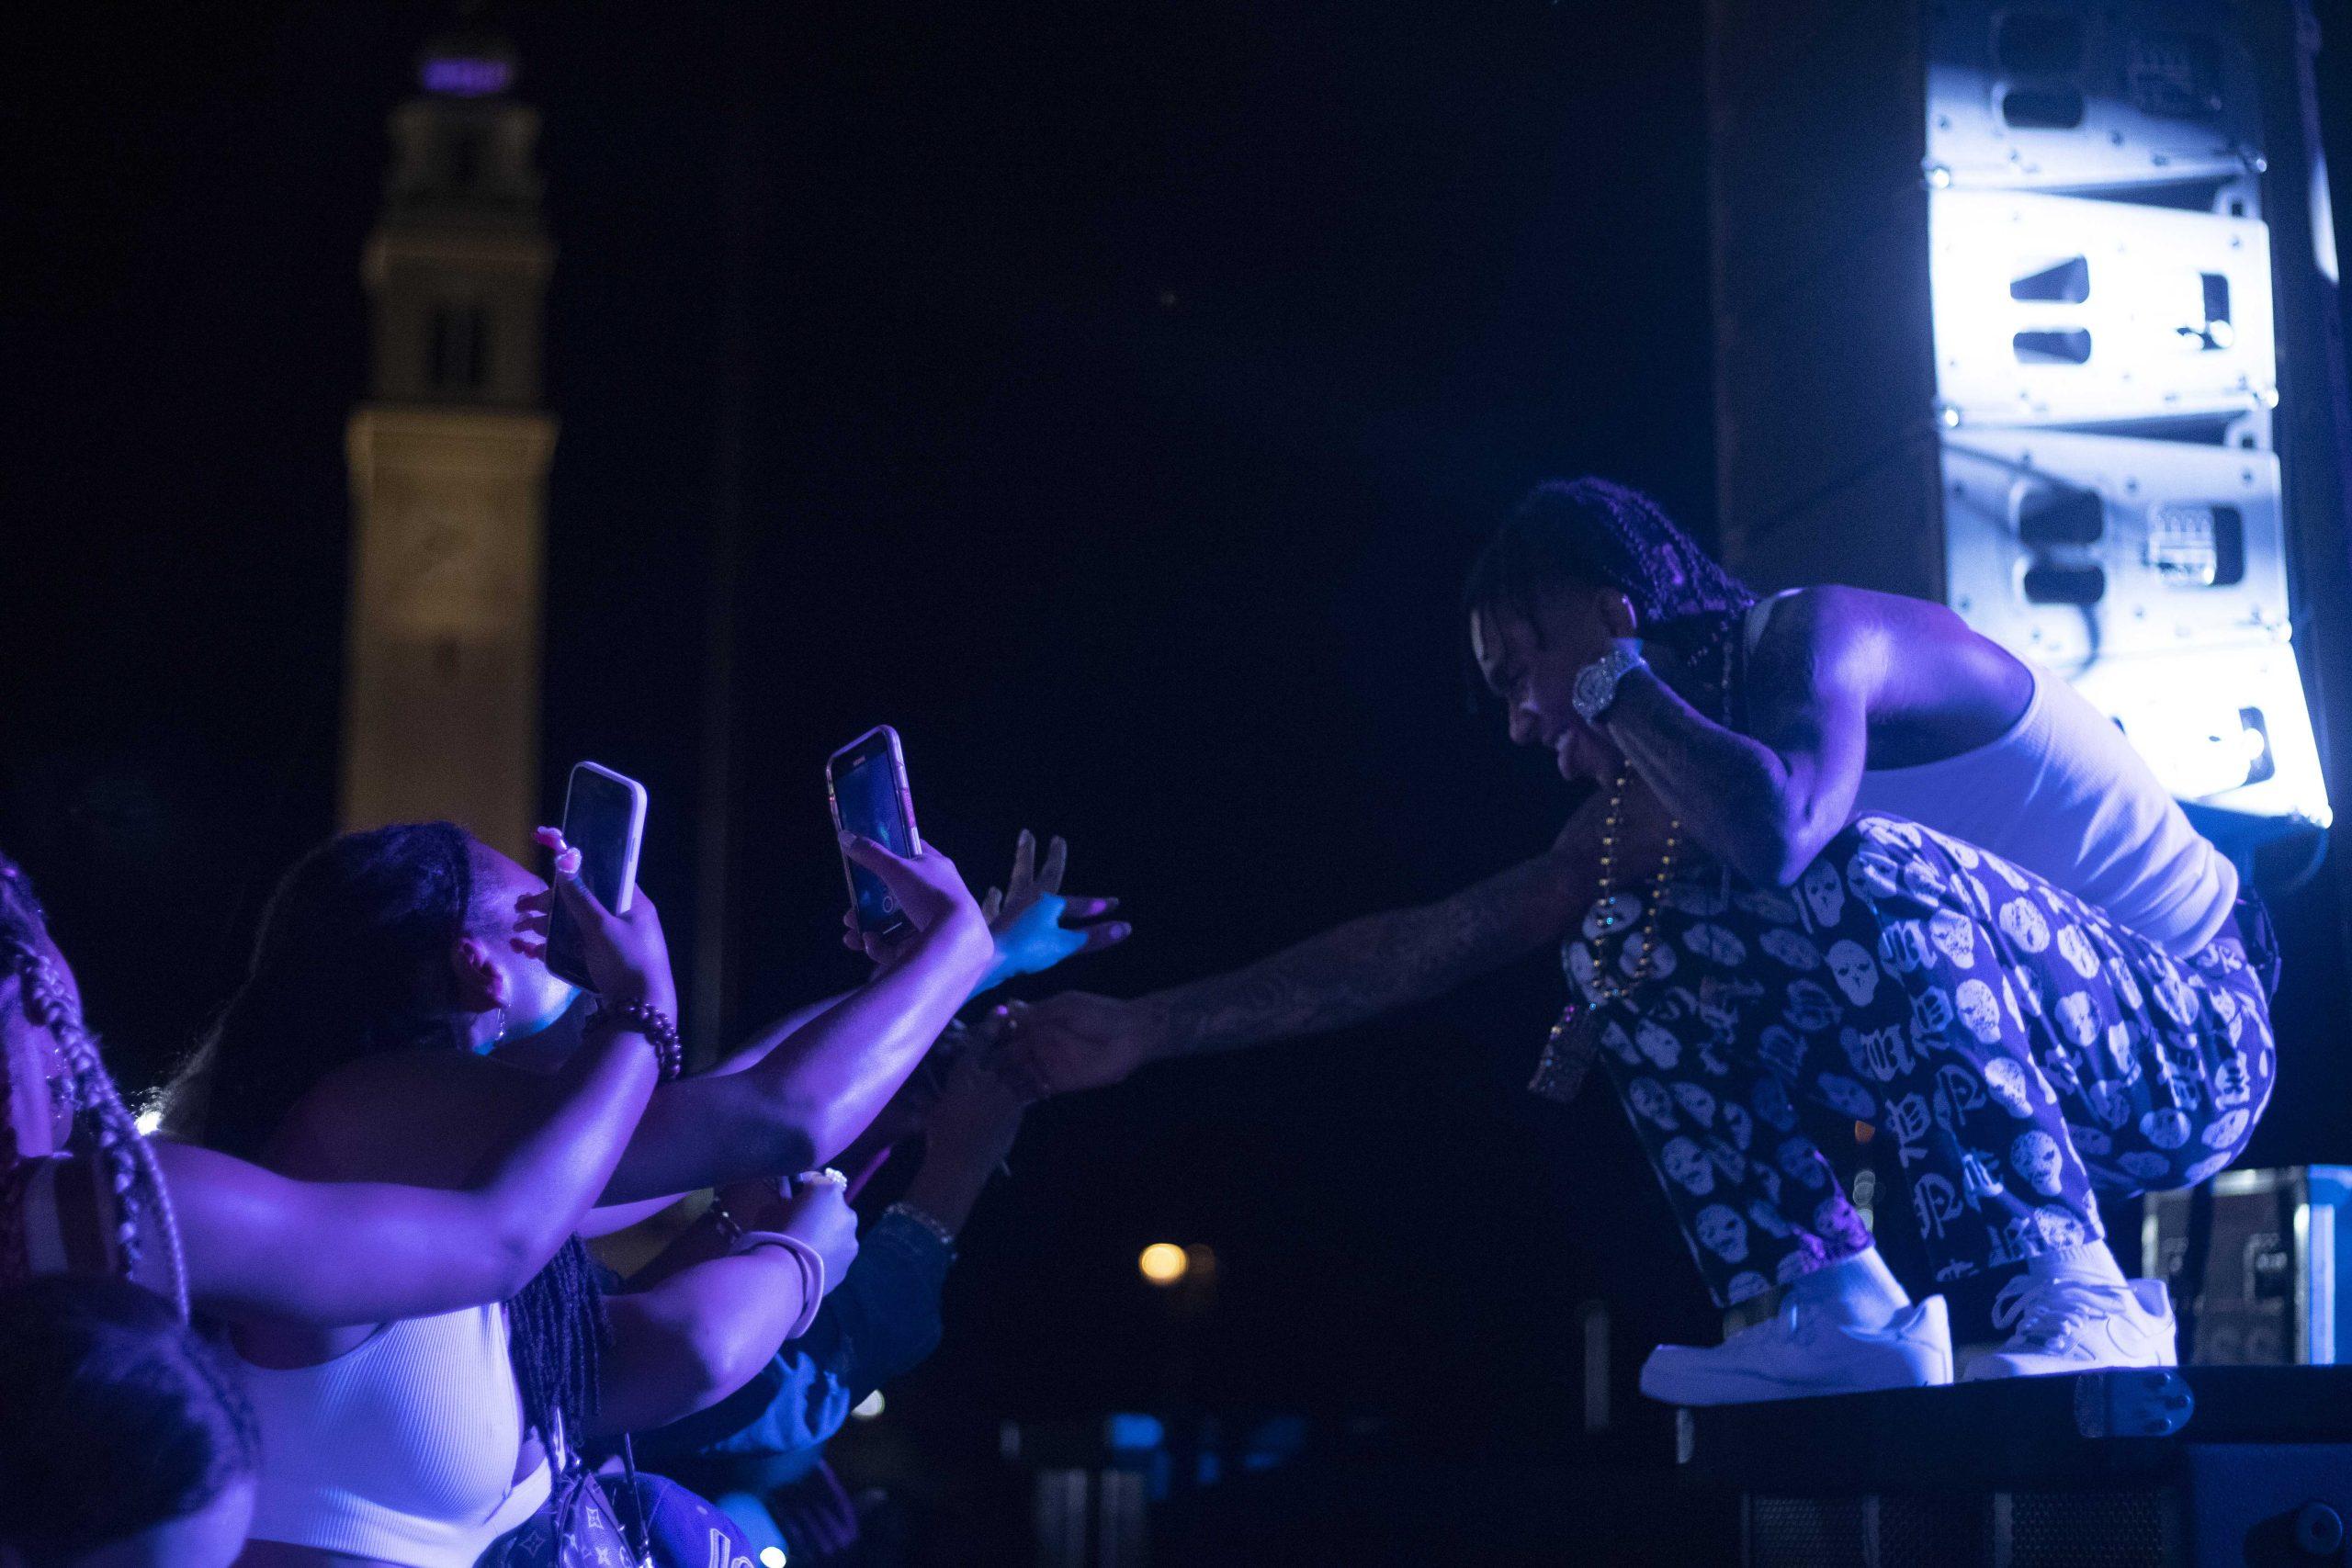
(341, 1308)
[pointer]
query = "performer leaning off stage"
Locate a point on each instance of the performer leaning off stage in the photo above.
(1844, 853)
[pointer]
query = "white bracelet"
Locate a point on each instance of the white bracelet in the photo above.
(812, 1273)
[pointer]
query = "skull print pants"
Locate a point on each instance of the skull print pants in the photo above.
(2016, 1048)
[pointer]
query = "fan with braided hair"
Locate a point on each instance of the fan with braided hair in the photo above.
(61, 1101)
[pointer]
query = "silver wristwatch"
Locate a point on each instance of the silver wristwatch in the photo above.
(1596, 685)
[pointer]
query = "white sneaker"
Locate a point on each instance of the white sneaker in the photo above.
(2079, 1325)
(1802, 1352)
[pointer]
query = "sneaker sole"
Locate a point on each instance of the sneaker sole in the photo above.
(1982, 1368)
(1903, 1364)
(1755, 1388)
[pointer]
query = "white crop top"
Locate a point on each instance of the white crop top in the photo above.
(2064, 794)
(401, 1449)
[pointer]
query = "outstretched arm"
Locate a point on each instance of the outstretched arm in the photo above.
(796, 1108)
(1355, 972)
(1031, 925)
(801, 1105)
(1371, 966)
(334, 1253)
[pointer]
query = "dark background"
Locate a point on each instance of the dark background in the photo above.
(1110, 397)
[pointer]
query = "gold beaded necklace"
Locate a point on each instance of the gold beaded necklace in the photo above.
(1634, 953)
(1568, 1051)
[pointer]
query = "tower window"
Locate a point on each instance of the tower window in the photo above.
(459, 352)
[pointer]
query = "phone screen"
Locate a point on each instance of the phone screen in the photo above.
(867, 801)
(601, 820)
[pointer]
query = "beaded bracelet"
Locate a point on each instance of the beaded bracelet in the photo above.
(661, 1032)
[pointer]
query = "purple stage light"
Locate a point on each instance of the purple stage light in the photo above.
(467, 76)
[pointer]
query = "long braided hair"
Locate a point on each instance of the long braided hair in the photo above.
(352, 961)
(142, 1204)
(1597, 531)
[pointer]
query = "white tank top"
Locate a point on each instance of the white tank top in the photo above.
(2064, 794)
(401, 1449)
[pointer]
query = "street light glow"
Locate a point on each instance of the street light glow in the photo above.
(1164, 1263)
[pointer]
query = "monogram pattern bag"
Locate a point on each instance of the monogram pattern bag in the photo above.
(684, 1530)
(578, 1526)
(575, 1528)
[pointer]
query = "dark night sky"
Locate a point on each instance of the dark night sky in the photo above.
(1121, 391)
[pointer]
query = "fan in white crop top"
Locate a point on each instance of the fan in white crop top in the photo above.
(2064, 794)
(403, 1448)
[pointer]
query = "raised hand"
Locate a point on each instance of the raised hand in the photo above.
(1035, 924)
(627, 955)
(926, 888)
(1002, 907)
(924, 883)
(1075, 1041)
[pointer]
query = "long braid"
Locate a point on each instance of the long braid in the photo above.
(557, 1336)
(118, 1134)
(143, 1200)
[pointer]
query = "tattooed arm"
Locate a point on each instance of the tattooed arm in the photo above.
(1371, 966)
(1764, 804)
(1347, 975)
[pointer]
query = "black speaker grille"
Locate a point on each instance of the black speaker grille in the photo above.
(2088, 1530)
(1932, 1532)
(1806, 1532)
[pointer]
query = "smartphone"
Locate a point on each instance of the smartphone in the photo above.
(604, 819)
(866, 782)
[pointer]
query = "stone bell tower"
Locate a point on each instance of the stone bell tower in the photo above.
(449, 466)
